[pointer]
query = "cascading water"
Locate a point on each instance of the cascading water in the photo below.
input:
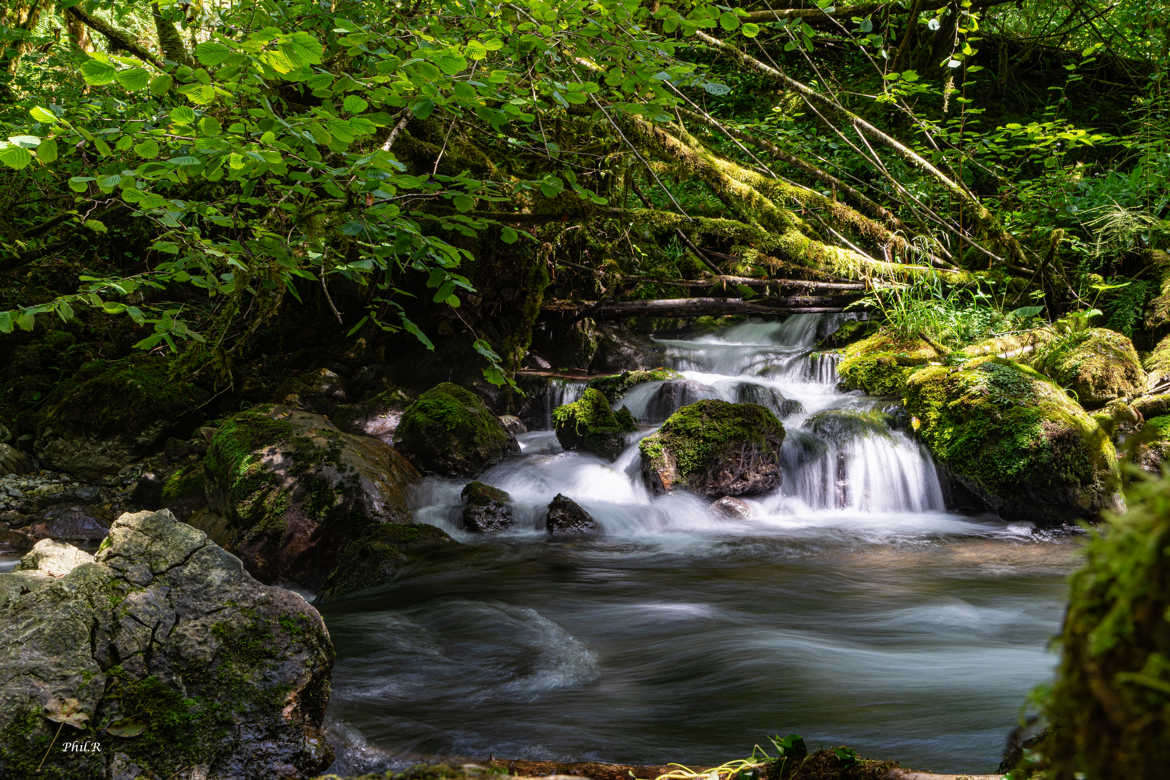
(848, 606)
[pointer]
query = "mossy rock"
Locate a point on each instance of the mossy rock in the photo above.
(382, 555)
(1097, 366)
(1110, 706)
(1021, 347)
(716, 449)
(1015, 440)
(294, 490)
(614, 386)
(113, 412)
(1151, 446)
(449, 430)
(565, 517)
(879, 364)
(1157, 365)
(590, 424)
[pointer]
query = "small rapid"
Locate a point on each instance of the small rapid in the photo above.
(848, 605)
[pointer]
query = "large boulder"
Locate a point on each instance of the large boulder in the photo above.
(288, 490)
(1015, 440)
(486, 509)
(566, 518)
(1097, 366)
(879, 364)
(589, 424)
(112, 413)
(1108, 711)
(716, 449)
(449, 430)
(383, 555)
(168, 655)
(768, 397)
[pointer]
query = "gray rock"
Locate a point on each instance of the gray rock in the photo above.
(674, 394)
(567, 518)
(486, 509)
(768, 397)
(513, 424)
(13, 461)
(382, 555)
(731, 508)
(53, 558)
(165, 652)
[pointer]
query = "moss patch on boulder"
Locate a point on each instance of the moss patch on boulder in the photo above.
(1157, 365)
(589, 424)
(880, 363)
(614, 386)
(1097, 366)
(449, 430)
(1015, 440)
(716, 449)
(1110, 709)
(853, 330)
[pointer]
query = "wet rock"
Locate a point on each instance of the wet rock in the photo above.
(169, 655)
(292, 489)
(377, 416)
(842, 425)
(847, 333)
(590, 424)
(513, 424)
(767, 397)
(13, 461)
(1119, 419)
(449, 430)
(71, 524)
(614, 386)
(800, 448)
(674, 394)
(716, 449)
(1016, 440)
(382, 555)
(1096, 366)
(53, 558)
(486, 509)
(732, 508)
(567, 518)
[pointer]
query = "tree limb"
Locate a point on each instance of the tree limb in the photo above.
(116, 37)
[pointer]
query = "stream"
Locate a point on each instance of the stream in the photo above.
(850, 607)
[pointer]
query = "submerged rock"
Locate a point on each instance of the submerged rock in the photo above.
(841, 425)
(716, 449)
(731, 508)
(382, 555)
(486, 509)
(449, 430)
(674, 394)
(1097, 366)
(1017, 441)
(292, 490)
(567, 518)
(590, 424)
(164, 651)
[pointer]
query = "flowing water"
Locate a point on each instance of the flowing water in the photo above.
(849, 607)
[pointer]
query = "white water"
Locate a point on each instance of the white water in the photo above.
(850, 606)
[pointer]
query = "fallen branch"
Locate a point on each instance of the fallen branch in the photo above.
(688, 307)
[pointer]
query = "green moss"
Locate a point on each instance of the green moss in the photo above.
(851, 331)
(1014, 438)
(699, 435)
(589, 424)
(450, 430)
(614, 386)
(184, 482)
(839, 425)
(1096, 365)
(1159, 426)
(1110, 707)
(879, 364)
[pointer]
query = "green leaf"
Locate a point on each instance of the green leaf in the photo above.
(97, 73)
(134, 79)
(43, 115)
(212, 53)
(96, 226)
(422, 107)
(15, 157)
(728, 21)
(210, 126)
(107, 183)
(450, 62)
(182, 115)
(750, 30)
(5, 322)
(551, 186)
(302, 49)
(414, 330)
(80, 183)
(463, 202)
(354, 104)
(508, 235)
(161, 85)
(47, 151)
(126, 728)
(147, 150)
